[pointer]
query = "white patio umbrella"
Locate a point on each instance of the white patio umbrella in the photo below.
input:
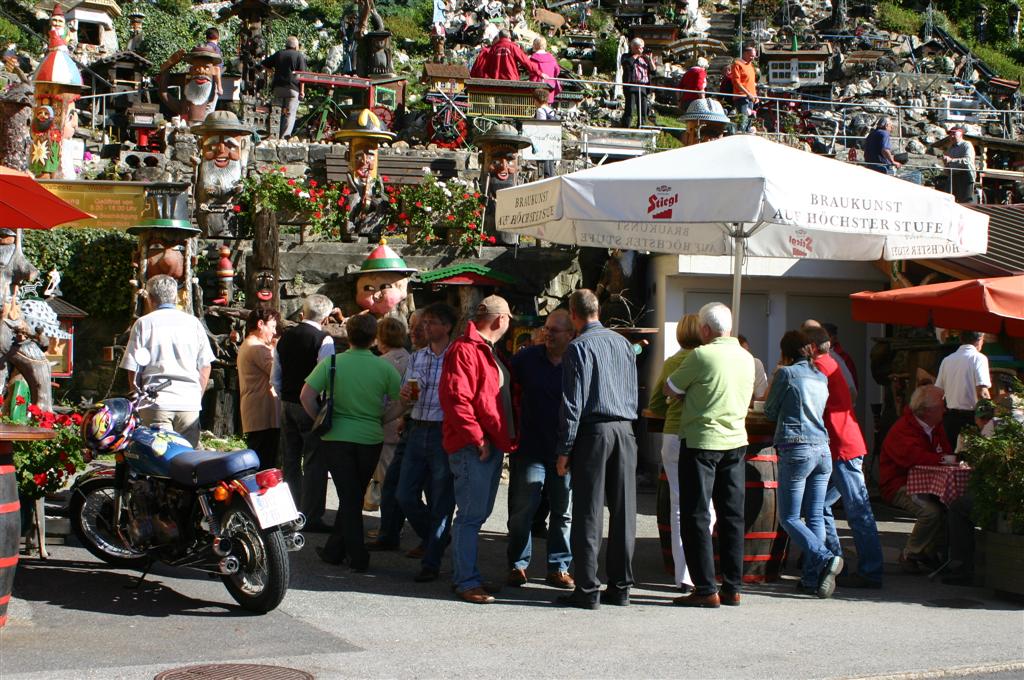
(744, 195)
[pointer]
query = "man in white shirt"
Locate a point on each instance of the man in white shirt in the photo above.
(179, 360)
(965, 378)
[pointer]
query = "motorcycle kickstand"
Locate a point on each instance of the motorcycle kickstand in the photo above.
(142, 577)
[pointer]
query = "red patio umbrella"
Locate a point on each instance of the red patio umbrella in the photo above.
(27, 204)
(989, 305)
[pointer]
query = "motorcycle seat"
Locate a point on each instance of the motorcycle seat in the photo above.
(206, 468)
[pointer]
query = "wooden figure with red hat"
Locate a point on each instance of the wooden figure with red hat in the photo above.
(58, 84)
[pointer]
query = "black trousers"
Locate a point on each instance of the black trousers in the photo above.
(719, 475)
(266, 444)
(351, 467)
(303, 467)
(603, 466)
(954, 421)
(636, 100)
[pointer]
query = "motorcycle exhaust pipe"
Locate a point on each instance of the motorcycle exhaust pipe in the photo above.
(222, 546)
(229, 565)
(294, 542)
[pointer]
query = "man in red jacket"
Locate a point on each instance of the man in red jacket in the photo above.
(478, 427)
(502, 60)
(917, 438)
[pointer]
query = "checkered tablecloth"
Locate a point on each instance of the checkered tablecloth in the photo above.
(948, 482)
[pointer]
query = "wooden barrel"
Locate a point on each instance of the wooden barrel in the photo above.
(10, 528)
(765, 542)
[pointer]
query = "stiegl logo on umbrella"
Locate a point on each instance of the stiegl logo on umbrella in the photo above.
(662, 202)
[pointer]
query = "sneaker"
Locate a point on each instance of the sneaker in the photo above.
(827, 580)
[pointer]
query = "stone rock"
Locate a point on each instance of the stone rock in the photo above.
(317, 153)
(400, 145)
(266, 152)
(933, 133)
(915, 146)
(186, 147)
(291, 153)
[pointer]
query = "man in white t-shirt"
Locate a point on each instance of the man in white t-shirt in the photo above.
(965, 378)
(179, 363)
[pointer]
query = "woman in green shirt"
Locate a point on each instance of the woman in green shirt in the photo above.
(364, 384)
(688, 337)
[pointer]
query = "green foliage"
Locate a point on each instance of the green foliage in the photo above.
(46, 466)
(10, 33)
(432, 208)
(267, 190)
(668, 141)
(607, 53)
(892, 17)
(168, 29)
(228, 443)
(997, 479)
(95, 266)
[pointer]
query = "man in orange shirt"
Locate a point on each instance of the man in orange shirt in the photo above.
(744, 85)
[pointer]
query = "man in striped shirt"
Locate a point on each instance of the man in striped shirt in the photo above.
(596, 442)
(425, 463)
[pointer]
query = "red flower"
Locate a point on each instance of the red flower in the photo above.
(392, 228)
(465, 195)
(76, 418)
(471, 226)
(70, 467)
(1, 400)
(39, 478)
(392, 200)
(476, 194)
(32, 408)
(282, 169)
(450, 218)
(236, 208)
(341, 202)
(345, 191)
(402, 216)
(291, 182)
(319, 215)
(419, 204)
(19, 400)
(63, 457)
(492, 240)
(385, 178)
(312, 182)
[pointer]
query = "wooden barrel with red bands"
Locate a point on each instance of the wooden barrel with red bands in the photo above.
(10, 530)
(664, 507)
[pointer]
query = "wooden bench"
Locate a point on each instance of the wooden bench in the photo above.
(398, 169)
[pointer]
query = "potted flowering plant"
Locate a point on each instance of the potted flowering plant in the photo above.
(268, 190)
(435, 211)
(44, 467)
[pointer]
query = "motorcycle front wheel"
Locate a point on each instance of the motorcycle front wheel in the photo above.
(261, 581)
(92, 519)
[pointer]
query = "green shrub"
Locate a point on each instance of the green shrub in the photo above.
(892, 17)
(95, 266)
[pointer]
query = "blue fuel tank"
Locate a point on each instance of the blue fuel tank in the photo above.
(152, 450)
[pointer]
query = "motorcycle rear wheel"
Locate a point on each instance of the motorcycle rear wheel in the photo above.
(92, 519)
(261, 581)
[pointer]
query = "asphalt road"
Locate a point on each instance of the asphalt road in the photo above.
(71, 617)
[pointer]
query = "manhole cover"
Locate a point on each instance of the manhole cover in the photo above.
(233, 671)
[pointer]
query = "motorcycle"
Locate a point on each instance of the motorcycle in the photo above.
(163, 501)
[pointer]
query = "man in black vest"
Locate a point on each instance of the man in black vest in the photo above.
(298, 351)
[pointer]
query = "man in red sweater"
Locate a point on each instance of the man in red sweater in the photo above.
(502, 60)
(917, 438)
(478, 427)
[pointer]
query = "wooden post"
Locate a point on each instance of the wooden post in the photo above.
(263, 267)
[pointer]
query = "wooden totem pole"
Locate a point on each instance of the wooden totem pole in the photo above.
(58, 84)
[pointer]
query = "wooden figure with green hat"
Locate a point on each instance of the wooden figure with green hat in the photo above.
(166, 246)
(382, 283)
(367, 204)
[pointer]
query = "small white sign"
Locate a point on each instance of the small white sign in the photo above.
(274, 506)
(546, 136)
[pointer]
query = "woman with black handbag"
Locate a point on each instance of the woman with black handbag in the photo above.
(359, 387)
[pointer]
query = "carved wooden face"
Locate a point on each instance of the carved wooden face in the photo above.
(165, 254)
(503, 166)
(381, 292)
(366, 163)
(265, 285)
(221, 149)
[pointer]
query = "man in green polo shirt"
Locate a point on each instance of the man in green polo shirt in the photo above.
(363, 386)
(716, 382)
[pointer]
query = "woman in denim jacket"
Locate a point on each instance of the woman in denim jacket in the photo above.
(796, 402)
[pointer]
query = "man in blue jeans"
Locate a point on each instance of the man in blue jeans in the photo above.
(476, 397)
(537, 379)
(424, 463)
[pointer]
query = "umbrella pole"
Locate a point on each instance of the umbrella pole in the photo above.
(739, 250)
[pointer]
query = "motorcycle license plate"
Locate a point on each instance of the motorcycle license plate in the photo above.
(274, 506)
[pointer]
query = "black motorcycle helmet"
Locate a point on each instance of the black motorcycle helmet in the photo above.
(109, 425)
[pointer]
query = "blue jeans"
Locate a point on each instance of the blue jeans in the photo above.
(476, 485)
(527, 479)
(425, 467)
(847, 481)
(804, 470)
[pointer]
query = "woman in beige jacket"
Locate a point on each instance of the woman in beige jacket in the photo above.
(260, 404)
